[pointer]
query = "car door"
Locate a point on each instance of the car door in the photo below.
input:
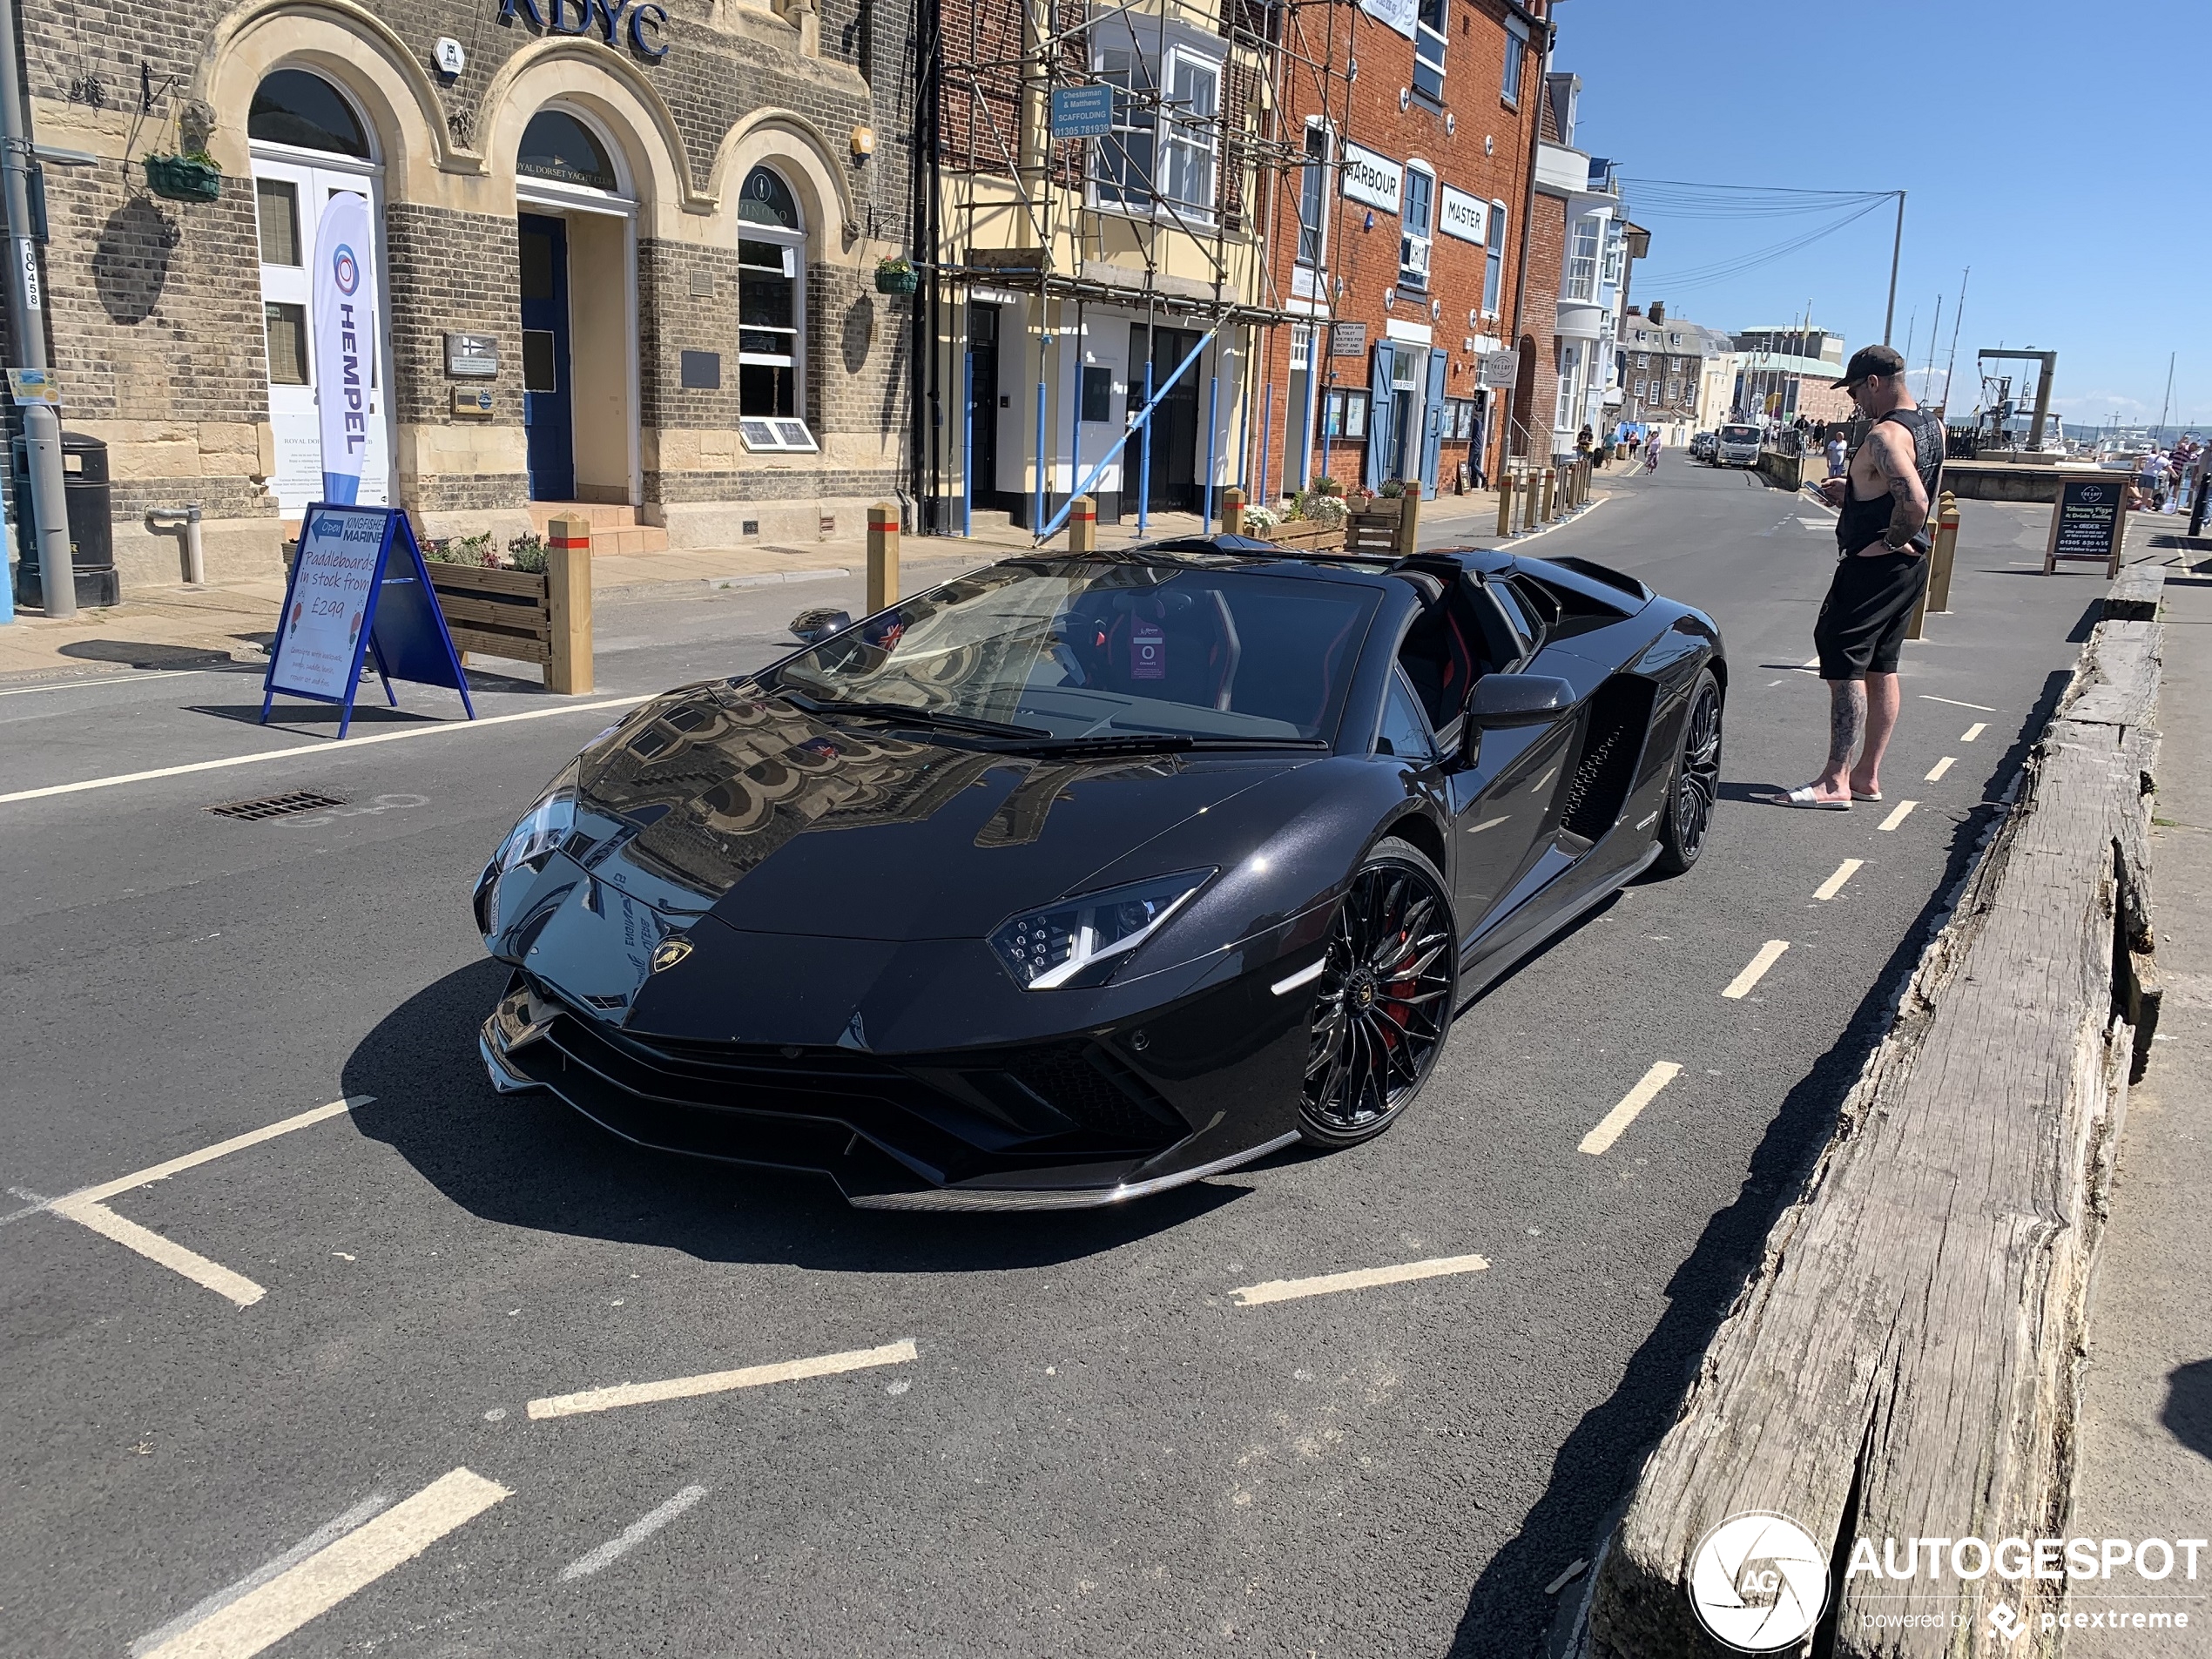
(1506, 787)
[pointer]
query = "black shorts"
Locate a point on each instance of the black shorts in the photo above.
(1862, 623)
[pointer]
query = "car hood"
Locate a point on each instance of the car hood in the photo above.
(719, 800)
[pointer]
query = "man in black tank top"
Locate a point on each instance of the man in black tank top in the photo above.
(1881, 568)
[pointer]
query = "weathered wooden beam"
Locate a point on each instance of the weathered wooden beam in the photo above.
(2116, 683)
(2136, 592)
(1901, 1365)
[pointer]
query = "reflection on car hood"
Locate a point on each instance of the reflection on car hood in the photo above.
(778, 821)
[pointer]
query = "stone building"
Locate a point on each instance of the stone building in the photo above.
(646, 229)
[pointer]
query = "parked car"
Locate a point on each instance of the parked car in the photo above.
(1736, 444)
(1701, 445)
(1081, 877)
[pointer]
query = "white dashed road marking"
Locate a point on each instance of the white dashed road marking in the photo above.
(632, 1535)
(272, 1611)
(720, 1382)
(1926, 696)
(1975, 731)
(1290, 1289)
(1897, 814)
(88, 1207)
(1755, 970)
(1834, 884)
(1610, 1126)
(1939, 768)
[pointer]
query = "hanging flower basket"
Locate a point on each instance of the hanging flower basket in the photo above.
(185, 179)
(896, 276)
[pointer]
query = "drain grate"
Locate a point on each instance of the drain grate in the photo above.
(300, 801)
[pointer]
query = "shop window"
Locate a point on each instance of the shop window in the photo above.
(1347, 413)
(771, 255)
(305, 111)
(1098, 394)
(557, 146)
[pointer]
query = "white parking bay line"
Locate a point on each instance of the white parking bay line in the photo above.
(719, 1382)
(1939, 768)
(1897, 814)
(1610, 1126)
(632, 1535)
(1289, 1289)
(87, 1206)
(1975, 731)
(272, 1611)
(1755, 970)
(329, 1532)
(342, 746)
(1834, 884)
(1929, 696)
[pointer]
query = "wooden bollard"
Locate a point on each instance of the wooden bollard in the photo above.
(1551, 482)
(568, 604)
(1083, 525)
(1409, 519)
(1232, 512)
(883, 557)
(1505, 502)
(1945, 555)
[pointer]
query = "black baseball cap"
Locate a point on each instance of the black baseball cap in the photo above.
(1866, 361)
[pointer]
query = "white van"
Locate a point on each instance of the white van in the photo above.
(1737, 445)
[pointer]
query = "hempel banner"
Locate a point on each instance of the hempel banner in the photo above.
(344, 345)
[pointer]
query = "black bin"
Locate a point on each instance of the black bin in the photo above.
(89, 498)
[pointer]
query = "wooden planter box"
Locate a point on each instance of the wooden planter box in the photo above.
(1307, 534)
(516, 614)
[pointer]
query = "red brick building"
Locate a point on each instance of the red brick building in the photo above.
(1403, 240)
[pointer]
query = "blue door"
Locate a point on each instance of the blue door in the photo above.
(1433, 431)
(548, 422)
(1380, 415)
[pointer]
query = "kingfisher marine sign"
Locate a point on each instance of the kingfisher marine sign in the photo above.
(609, 14)
(345, 335)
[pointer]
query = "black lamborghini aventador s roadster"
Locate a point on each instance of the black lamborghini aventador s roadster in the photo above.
(1081, 877)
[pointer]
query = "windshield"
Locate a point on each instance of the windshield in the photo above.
(1084, 649)
(1739, 434)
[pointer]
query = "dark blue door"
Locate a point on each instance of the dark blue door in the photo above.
(548, 426)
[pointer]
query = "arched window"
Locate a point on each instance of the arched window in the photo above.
(771, 314)
(301, 110)
(556, 145)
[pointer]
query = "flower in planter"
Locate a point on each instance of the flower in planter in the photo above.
(1392, 489)
(1327, 486)
(1328, 511)
(526, 553)
(896, 274)
(1259, 519)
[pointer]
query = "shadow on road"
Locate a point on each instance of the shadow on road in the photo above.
(2188, 1411)
(1507, 1614)
(527, 1160)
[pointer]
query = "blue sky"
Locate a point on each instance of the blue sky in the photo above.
(2092, 239)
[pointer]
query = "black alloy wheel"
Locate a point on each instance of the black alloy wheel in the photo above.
(1385, 999)
(1688, 812)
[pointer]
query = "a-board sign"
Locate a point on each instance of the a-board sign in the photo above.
(1083, 112)
(344, 603)
(2088, 521)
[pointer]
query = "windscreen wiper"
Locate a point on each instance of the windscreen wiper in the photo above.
(905, 714)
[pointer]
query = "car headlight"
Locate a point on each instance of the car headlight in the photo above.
(543, 827)
(1046, 948)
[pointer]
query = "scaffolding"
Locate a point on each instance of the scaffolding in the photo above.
(1172, 213)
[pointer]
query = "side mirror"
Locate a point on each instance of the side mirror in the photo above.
(1518, 699)
(818, 622)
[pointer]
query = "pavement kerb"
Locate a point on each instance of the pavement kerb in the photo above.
(1929, 1319)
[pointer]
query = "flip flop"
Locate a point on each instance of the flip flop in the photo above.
(1803, 797)
(1855, 795)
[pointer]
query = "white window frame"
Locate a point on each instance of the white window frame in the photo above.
(1168, 135)
(1516, 63)
(774, 433)
(1583, 259)
(1301, 345)
(304, 169)
(1416, 248)
(1429, 42)
(1315, 171)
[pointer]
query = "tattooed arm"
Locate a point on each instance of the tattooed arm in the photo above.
(1890, 449)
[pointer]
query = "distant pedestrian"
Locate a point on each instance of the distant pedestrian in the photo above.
(2150, 478)
(1836, 452)
(1882, 542)
(1651, 452)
